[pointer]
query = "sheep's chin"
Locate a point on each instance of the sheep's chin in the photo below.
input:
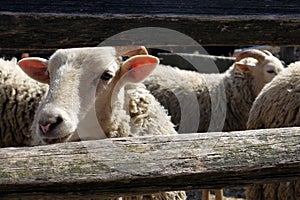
(57, 140)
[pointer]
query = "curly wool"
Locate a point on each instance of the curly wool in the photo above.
(278, 103)
(20, 96)
(147, 116)
(138, 113)
(240, 92)
(277, 106)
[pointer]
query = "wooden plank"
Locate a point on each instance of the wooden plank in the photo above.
(192, 7)
(50, 31)
(150, 164)
(60, 24)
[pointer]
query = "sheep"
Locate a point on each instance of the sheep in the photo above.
(80, 78)
(235, 89)
(277, 106)
(213, 102)
(282, 90)
(19, 97)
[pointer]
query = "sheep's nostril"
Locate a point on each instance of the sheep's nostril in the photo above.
(59, 120)
(50, 124)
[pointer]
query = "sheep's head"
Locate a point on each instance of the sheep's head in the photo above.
(77, 78)
(262, 65)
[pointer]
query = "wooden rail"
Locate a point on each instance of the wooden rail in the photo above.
(122, 166)
(62, 24)
(150, 164)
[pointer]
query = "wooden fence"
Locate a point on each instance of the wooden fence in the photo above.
(61, 24)
(148, 164)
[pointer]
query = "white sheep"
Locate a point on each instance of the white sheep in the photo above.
(277, 106)
(236, 89)
(81, 78)
(213, 102)
(19, 98)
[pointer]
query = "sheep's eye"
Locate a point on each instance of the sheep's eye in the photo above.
(106, 76)
(271, 71)
(124, 58)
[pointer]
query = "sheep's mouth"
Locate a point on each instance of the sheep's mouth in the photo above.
(56, 140)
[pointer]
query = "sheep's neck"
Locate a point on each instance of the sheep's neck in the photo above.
(108, 112)
(104, 113)
(237, 87)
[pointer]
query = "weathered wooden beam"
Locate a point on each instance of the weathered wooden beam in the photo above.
(72, 23)
(52, 31)
(150, 164)
(192, 7)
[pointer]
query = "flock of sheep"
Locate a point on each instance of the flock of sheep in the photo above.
(137, 96)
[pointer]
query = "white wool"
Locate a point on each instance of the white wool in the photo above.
(147, 116)
(19, 98)
(278, 103)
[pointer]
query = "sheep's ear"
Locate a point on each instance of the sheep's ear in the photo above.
(36, 68)
(137, 68)
(244, 67)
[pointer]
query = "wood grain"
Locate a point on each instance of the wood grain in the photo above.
(149, 164)
(63, 24)
(46, 31)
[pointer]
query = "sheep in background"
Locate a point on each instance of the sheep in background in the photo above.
(19, 98)
(282, 92)
(277, 106)
(194, 95)
(232, 92)
(82, 77)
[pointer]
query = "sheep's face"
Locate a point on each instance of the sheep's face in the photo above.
(271, 67)
(77, 78)
(263, 68)
(264, 72)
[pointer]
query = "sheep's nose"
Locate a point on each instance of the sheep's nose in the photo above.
(49, 122)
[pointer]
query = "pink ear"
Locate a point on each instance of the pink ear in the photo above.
(36, 68)
(139, 67)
